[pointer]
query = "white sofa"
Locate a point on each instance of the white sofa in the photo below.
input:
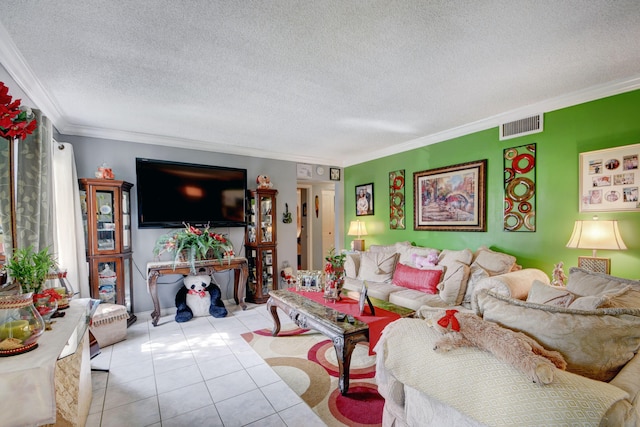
(594, 322)
(388, 269)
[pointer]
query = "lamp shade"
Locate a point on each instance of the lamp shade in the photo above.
(596, 235)
(357, 228)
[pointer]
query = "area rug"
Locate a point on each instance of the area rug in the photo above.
(306, 361)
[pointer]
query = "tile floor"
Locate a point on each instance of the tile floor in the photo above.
(197, 373)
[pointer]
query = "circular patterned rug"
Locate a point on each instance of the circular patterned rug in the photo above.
(306, 361)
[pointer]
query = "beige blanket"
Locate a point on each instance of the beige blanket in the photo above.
(478, 385)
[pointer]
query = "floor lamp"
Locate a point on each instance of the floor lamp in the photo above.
(357, 228)
(596, 235)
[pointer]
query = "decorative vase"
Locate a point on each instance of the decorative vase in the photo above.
(45, 306)
(212, 253)
(20, 324)
(334, 281)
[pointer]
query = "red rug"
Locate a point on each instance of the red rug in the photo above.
(306, 361)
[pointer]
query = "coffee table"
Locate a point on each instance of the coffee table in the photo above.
(310, 314)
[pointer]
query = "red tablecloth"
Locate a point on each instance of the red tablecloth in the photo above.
(350, 306)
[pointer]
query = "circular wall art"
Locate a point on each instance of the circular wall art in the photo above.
(520, 188)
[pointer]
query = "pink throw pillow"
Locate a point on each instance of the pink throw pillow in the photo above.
(417, 279)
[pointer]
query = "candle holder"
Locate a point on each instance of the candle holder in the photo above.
(20, 324)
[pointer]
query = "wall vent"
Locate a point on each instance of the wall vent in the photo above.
(521, 127)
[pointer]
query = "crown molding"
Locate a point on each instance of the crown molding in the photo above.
(563, 101)
(19, 70)
(191, 144)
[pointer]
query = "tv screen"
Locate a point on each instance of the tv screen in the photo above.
(170, 193)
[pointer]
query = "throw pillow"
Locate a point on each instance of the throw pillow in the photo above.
(423, 280)
(591, 302)
(389, 248)
(541, 293)
(448, 257)
(377, 266)
(476, 273)
(454, 284)
(406, 253)
(583, 283)
(493, 262)
(352, 265)
(595, 343)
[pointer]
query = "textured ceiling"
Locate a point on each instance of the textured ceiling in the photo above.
(331, 82)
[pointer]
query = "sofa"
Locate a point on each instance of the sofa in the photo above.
(594, 322)
(390, 274)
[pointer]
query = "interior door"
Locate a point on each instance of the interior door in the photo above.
(303, 232)
(328, 221)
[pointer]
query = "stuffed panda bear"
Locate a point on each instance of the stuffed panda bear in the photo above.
(199, 297)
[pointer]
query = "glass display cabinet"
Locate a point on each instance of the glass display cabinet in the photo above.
(261, 244)
(106, 214)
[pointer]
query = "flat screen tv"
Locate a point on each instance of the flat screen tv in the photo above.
(171, 193)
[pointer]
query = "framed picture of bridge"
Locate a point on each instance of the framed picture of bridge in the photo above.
(451, 198)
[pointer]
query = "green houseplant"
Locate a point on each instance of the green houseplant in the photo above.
(29, 268)
(191, 244)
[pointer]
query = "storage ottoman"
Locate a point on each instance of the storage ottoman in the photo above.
(109, 324)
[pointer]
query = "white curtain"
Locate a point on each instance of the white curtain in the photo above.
(69, 229)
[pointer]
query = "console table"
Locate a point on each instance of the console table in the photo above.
(51, 385)
(208, 267)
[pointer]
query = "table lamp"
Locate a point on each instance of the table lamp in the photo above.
(596, 235)
(357, 228)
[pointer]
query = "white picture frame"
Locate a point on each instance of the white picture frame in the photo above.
(304, 171)
(363, 298)
(609, 179)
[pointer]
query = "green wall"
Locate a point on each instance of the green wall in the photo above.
(604, 123)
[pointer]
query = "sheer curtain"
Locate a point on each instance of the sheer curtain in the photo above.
(5, 194)
(48, 202)
(34, 205)
(69, 230)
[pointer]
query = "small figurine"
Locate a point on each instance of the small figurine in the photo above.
(558, 277)
(104, 172)
(264, 181)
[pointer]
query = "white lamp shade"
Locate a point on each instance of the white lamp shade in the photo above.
(357, 228)
(596, 235)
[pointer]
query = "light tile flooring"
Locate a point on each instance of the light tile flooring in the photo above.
(197, 373)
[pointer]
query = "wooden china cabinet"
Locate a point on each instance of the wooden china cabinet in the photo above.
(261, 244)
(106, 215)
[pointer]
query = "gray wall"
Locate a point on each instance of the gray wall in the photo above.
(121, 155)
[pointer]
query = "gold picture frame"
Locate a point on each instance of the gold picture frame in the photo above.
(451, 198)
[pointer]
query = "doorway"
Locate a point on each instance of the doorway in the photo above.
(328, 221)
(316, 221)
(302, 232)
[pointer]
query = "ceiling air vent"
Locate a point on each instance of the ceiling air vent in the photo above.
(521, 127)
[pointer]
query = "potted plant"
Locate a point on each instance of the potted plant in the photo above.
(191, 244)
(30, 269)
(334, 270)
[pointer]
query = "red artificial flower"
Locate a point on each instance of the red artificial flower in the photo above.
(328, 268)
(14, 122)
(5, 98)
(195, 230)
(52, 294)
